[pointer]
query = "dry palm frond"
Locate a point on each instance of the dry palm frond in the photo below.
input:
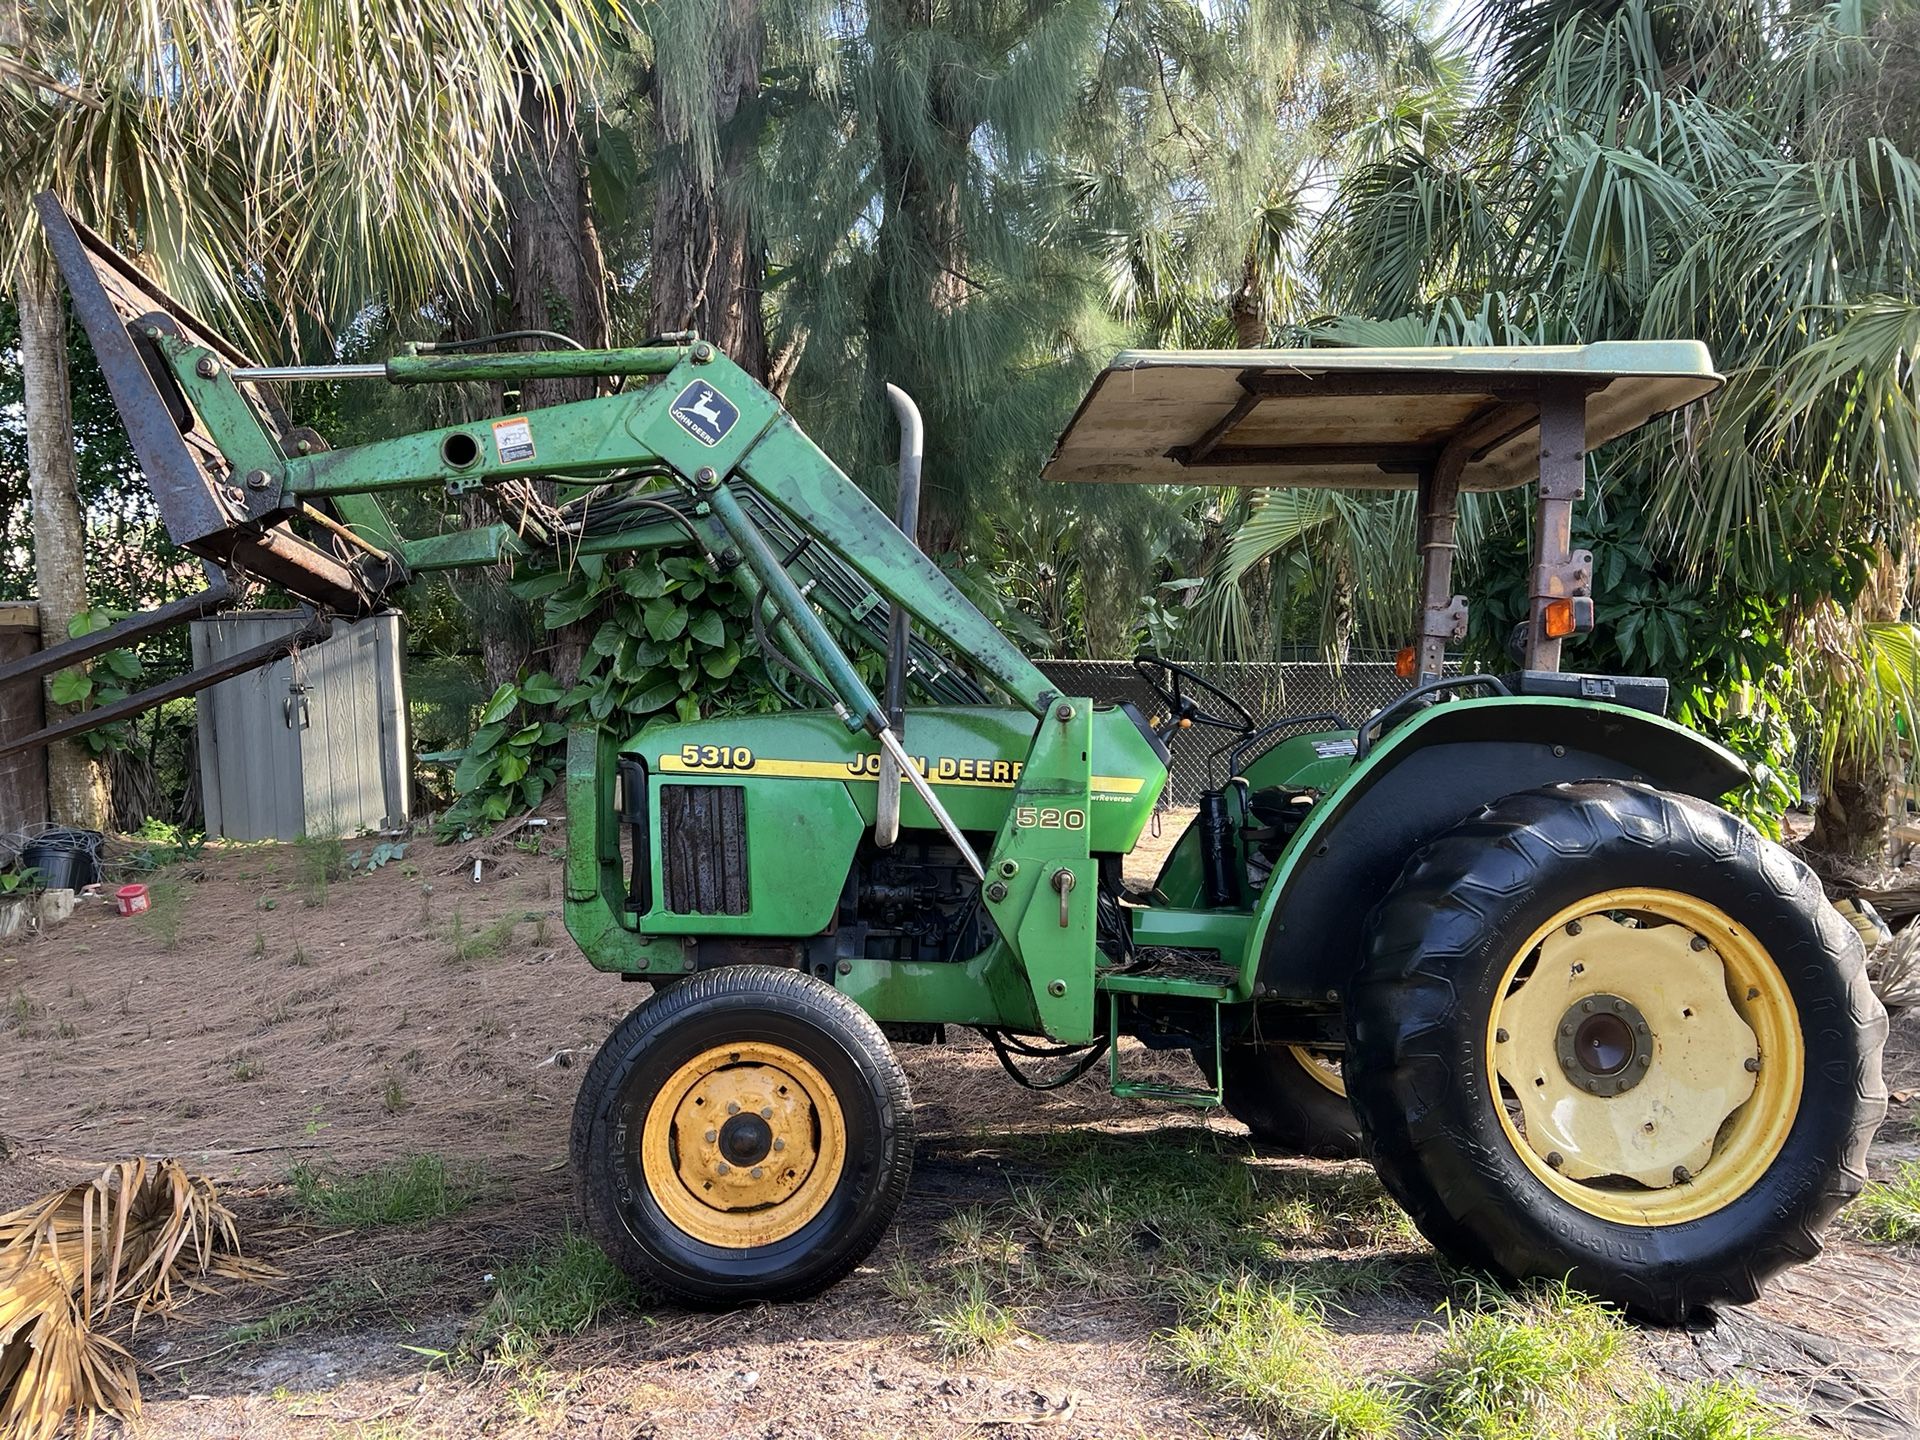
(136, 1236)
(1893, 968)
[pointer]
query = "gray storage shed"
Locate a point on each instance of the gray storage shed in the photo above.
(314, 744)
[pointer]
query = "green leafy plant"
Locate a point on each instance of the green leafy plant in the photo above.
(365, 862)
(101, 681)
(668, 643)
(19, 882)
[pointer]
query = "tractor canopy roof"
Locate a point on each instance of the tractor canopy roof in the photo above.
(1363, 417)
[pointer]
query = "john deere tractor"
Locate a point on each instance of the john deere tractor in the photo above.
(1499, 936)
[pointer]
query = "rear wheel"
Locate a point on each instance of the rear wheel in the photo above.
(1293, 1098)
(745, 1135)
(1613, 1033)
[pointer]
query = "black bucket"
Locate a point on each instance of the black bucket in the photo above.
(65, 859)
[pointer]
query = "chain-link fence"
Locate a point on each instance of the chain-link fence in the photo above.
(1269, 691)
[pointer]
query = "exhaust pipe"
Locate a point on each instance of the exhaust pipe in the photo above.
(886, 815)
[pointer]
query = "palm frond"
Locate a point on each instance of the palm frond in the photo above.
(143, 1236)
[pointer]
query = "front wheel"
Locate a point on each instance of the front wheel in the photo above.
(1613, 1034)
(744, 1135)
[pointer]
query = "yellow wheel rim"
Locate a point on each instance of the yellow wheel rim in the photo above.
(1646, 1056)
(743, 1144)
(1322, 1067)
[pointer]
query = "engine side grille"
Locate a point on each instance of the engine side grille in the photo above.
(703, 849)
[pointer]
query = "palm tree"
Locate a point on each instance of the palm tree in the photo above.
(274, 163)
(1739, 172)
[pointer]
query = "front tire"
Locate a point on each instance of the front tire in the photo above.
(744, 1135)
(1611, 1033)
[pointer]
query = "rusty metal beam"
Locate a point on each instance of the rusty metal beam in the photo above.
(190, 683)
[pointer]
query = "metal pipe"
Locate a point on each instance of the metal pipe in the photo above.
(262, 374)
(864, 712)
(890, 745)
(886, 815)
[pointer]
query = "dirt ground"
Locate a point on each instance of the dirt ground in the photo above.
(261, 1019)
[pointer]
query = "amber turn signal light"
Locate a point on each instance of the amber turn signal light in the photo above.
(1403, 663)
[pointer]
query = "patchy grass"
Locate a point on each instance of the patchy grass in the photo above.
(1267, 1347)
(424, 1188)
(166, 908)
(465, 944)
(1118, 1217)
(561, 1289)
(323, 860)
(972, 1323)
(1889, 1211)
(1715, 1411)
(355, 1298)
(1524, 1364)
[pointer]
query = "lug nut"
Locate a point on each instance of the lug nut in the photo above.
(733, 1107)
(1753, 992)
(1586, 1007)
(766, 1112)
(1500, 1036)
(1619, 1007)
(779, 1144)
(723, 1168)
(1566, 1029)
(1752, 1063)
(712, 1135)
(1681, 1175)
(1573, 927)
(1645, 1061)
(1699, 942)
(757, 1173)
(1556, 1159)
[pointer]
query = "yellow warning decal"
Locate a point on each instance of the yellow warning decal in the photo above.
(956, 770)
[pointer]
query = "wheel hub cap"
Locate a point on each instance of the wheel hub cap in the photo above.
(1624, 1052)
(744, 1144)
(1604, 1044)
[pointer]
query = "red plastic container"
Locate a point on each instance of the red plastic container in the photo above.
(130, 899)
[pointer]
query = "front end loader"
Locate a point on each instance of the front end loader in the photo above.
(1499, 936)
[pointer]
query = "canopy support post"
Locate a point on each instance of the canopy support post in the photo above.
(1559, 571)
(1443, 614)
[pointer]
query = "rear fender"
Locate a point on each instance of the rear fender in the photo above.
(1424, 778)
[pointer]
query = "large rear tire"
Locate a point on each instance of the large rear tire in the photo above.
(1611, 1033)
(744, 1135)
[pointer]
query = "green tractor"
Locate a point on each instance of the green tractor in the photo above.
(1498, 937)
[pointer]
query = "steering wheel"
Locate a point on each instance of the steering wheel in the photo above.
(1168, 680)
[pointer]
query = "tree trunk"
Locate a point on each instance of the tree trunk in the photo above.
(1247, 310)
(708, 260)
(1850, 823)
(558, 278)
(923, 258)
(76, 782)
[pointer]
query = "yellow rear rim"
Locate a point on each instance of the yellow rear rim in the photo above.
(743, 1144)
(1646, 1056)
(1324, 1068)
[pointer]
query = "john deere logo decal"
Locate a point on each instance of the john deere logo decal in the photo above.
(704, 413)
